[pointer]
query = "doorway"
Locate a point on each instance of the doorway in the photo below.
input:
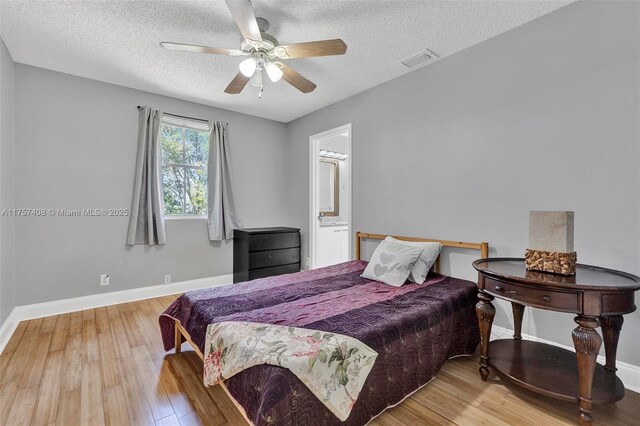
(330, 194)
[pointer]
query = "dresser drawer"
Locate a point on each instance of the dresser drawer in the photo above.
(276, 270)
(532, 296)
(264, 259)
(261, 242)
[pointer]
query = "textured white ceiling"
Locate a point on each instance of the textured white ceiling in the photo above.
(117, 42)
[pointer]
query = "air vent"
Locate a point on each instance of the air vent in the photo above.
(420, 59)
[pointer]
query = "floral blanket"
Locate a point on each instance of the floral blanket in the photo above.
(334, 367)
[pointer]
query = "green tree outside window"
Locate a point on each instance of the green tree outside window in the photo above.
(185, 154)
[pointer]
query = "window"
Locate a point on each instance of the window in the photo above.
(185, 151)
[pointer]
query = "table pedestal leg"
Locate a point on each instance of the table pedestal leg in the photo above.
(587, 343)
(485, 313)
(518, 313)
(611, 327)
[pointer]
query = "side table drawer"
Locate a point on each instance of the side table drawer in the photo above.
(538, 297)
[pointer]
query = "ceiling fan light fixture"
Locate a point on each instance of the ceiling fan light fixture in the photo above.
(248, 66)
(273, 71)
(256, 80)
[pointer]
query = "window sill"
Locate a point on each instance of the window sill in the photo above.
(185, 217)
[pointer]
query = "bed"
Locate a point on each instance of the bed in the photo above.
(414, 328)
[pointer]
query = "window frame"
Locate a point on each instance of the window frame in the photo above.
(175, 121)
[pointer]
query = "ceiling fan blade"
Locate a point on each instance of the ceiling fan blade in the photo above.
(295, 79)
(199, 49)
(243, 13)
(237, 84)
(312, 49)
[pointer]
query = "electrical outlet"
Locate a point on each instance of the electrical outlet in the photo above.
(167, 279)
(306, 261)
(104, 279)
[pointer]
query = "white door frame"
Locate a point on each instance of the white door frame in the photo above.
(314, 158)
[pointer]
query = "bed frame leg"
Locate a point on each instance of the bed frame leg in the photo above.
(219, 392)
(178, 338)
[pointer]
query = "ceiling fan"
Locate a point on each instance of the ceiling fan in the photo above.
(263, 51)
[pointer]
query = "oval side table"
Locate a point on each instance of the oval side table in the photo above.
(598, 296)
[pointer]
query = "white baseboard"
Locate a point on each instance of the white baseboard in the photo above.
(628, 373)
(57, 307)
(7, 328)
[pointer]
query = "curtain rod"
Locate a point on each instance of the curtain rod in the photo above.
(182, 116)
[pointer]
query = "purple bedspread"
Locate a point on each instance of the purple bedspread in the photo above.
(414, 328)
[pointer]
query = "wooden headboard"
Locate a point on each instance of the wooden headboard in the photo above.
(482, 247)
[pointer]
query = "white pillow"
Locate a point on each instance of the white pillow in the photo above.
(421, 268)
(391, 263)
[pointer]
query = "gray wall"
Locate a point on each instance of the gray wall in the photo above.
(543, 117)
(76, 148)
(7, 284)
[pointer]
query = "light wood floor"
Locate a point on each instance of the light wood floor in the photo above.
(107, 366)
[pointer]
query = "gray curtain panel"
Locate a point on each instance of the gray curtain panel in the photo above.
(146, 225)
(222, 217)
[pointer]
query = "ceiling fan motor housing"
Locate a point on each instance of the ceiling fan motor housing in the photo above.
(269, 38)
(268, 41)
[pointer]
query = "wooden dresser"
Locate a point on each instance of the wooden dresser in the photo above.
(597, 296)
(265, 252)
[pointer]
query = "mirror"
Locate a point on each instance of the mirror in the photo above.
(328, 187)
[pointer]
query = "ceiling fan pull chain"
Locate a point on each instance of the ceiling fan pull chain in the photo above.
(260, 91)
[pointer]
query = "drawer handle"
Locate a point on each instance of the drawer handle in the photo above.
(546, 299)
(498, 288)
